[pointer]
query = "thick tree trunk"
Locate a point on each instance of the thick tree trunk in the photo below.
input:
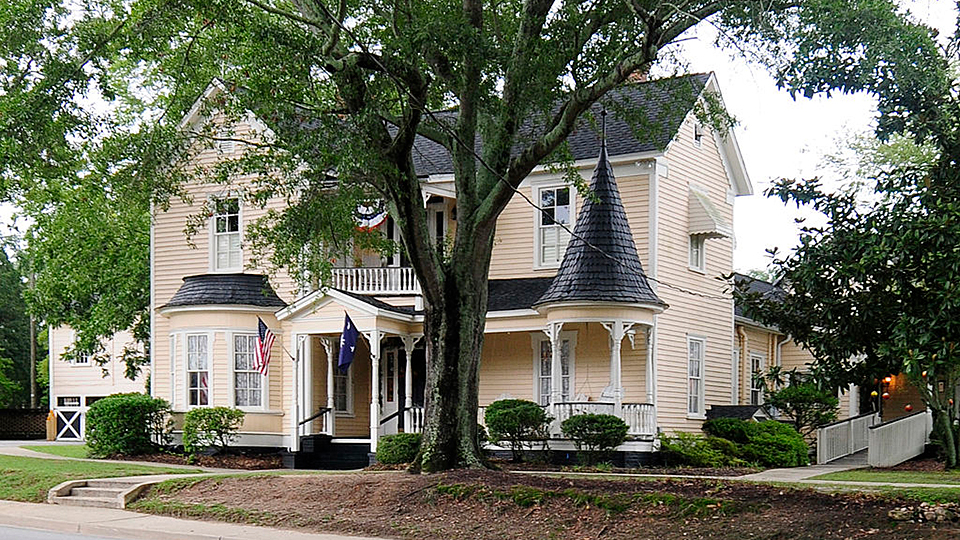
(454, 330)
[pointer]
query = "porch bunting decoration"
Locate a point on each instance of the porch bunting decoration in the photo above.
(265, 339)
(348, 344)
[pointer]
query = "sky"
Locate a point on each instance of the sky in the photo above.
(784, 138)
(779, 137)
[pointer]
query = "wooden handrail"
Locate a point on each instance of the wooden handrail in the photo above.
(321, 412)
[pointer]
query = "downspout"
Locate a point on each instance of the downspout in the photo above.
(738, 370)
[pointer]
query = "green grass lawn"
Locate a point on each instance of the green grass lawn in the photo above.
(73, 450)
(29, 479)
(907, 477)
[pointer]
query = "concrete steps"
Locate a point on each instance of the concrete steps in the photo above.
(110, 493)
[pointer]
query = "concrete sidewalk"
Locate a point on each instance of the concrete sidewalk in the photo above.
(131, 525)
(801, 474)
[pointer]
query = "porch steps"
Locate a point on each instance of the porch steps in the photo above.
(109, 493)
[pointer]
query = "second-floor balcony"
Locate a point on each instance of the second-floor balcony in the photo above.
(379, 281)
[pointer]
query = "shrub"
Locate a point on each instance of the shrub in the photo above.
(731, 429)
(807, 404)
(398, 448)
(516, 421)
(598, 434)
(692, 450)
(773, 444)
(210, 426)
(127, 424)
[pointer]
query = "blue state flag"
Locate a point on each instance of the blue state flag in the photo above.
(348, 344)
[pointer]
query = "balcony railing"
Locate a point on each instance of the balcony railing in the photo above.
(641, 418)
(389, 280)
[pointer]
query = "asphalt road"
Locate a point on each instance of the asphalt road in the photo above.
(16, 533)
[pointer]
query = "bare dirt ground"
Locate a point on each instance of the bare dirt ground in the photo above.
(250, 462)
(499, 505)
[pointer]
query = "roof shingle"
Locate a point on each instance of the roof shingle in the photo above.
(226, 289)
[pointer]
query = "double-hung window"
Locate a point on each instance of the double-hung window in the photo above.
(554, 219)
(247, 381)
(198, 370)
(227, 254)
(543, 364)
(698, 255)
(756, 379)
(695, 362)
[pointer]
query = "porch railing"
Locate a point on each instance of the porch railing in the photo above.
(389, 280)
(641, 419)
(845, 437)
(414, 420)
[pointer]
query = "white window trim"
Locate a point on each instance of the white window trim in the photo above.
(699, 132)
(763, 362)
(701, 268)
(264, 379)
(537, 251)
(349, 413)
(212, 233)
(186, 369)
(702, 413)
(538, 338)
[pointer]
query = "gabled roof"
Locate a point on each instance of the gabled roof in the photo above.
(743, 412)
(601, 262)
(226, 289)
(664, 104)
(745, 284)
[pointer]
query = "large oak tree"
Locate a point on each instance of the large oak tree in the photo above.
(348, 87)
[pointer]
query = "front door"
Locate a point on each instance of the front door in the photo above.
(390, 385)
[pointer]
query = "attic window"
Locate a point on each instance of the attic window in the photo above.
(697, 135)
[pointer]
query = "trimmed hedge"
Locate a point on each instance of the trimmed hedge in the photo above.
(398, 448)
(732, 429)
(210, 426)
(693, 450)
(127, 424)
(773, 444)
(595, 435)
(516, 421)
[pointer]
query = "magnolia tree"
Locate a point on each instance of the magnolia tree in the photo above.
(347, 88)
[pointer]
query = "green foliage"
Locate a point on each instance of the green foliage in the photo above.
(732, 429)
(595, 435)
(14, 336)
(516, 421)
(808, 405)
(692, 450)
(365, 78)
(207, 427)
(127, 424)
(773, 444)
(398, 448)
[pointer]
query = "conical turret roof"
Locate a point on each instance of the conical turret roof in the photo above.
(601, 262)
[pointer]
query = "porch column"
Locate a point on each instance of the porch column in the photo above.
(651, 378)
(295, 406)
(617, 330)
(308, 407)
(408, 344)
(328, 423)
(556, 372)
(373, 337)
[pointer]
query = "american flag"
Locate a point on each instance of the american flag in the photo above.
(265, 340)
